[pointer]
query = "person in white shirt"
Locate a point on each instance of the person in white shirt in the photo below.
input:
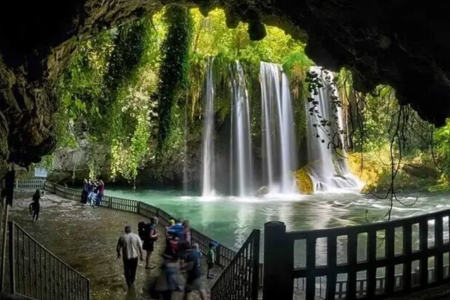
(130, 246)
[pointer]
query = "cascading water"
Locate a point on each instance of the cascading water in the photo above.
(241, 147)
(185, 160)
(208, 188)
(327, 166)
(278, 130)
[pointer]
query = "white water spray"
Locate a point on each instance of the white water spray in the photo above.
(241, 146)
(208, 187)
(328, 168)
(278, 129)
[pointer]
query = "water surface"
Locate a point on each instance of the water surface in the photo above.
(230, 220)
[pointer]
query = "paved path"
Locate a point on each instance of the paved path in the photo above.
(86, 239)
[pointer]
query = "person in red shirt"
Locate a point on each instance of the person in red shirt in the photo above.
(100, 193)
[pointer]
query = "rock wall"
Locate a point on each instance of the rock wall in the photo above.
(73, 165)
(401, 43)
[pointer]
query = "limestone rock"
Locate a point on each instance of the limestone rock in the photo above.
(73, 165)
(400, 43)
(264, 190)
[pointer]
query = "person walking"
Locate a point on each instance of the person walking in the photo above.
(167, 281)
(195, 280)
(35, 206)
(131, 247)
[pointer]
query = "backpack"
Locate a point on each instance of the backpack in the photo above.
(142, 230)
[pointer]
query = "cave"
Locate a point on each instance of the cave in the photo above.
(398, 43)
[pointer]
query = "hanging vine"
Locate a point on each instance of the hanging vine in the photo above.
(173, 73)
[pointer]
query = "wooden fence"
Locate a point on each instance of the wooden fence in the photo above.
(375, 275)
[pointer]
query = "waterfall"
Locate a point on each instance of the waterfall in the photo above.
(328, 167)
(240, 141)
(185, 158)
(208, 188)
(277, 123)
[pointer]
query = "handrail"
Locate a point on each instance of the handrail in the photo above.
(43, 247)
(240, 279)
(381, 225)
(36, 272)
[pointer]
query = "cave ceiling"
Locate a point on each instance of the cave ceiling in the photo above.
(401, 43)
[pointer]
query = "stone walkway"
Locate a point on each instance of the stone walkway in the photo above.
(86, 239)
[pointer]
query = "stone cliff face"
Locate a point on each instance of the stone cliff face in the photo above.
(403, 44)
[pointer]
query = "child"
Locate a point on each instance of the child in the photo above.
(35, 206)
(198, 253)
(210, 259)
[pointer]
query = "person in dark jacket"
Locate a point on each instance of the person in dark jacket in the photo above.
(85, 192)
(100, 192)
(35, 206)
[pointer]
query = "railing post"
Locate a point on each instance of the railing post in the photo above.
(278, 263)
(256, 266)
(110, 202)
(88, 292)
(138, 207)
(416, 277)
(12, 259)
(217, 262)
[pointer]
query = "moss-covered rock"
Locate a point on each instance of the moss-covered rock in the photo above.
(415, 173)
(304, 181)
(264, 190)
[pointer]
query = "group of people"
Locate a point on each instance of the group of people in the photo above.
(93, 191)
(181, 256)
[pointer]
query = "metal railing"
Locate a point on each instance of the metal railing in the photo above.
(412, 257)
(224, 254)
(240, 279)
(37, 273)
(29, 184)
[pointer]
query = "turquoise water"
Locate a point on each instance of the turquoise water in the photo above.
(230, 220)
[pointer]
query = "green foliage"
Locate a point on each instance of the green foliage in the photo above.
(296, 65)
(131, 87)
(173, 73)
(105, 87)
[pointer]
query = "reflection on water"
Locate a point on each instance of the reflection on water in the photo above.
(230, 220)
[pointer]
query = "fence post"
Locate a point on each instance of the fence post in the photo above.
(110, 202)
(278, 263)
(12, 259)
(217, 262)
(138, 207)
(88, 290)
(256, 249)
(416, 277)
